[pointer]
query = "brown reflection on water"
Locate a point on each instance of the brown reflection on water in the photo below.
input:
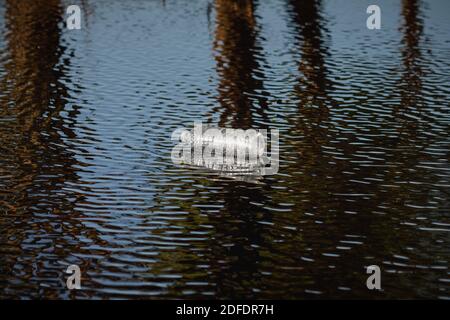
(311, 90)
(313, 172)
(414, 184)
(411, 141)
(310, 26)
(34, 49)
(331, 186)
(396, 186)
(411, 81)
(243, 105)
(238, 57)
(408, 142)
(37, 229)
(311, 126)
(230, 215)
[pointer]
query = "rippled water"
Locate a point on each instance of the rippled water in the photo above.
(86, 176)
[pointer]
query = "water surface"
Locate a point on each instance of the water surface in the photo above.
(86, 177)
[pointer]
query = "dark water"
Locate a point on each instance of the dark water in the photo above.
(86, 176)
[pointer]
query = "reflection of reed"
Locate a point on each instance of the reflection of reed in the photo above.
(237, 63)
(406, 149)
(312, 168)
(35, 95)
(324, 173)
(235, 233)
(411, 82)
(412, 131)
(313, 121)
(306, 16)
(38, 160)
(313, 85)
(34, 48)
